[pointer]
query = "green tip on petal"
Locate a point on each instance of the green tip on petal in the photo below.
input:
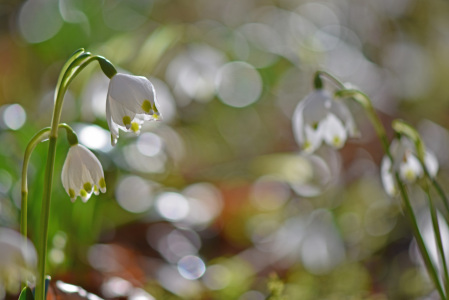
(155, 108)
(127, 120)
(102, 184)
(88, 187)
(83, 193)
(146, 106)
(72, 194)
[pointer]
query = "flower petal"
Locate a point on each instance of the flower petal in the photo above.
(334, 133)
(387, 177)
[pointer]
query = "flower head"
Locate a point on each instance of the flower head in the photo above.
(131, 100)
(406, 163)
(82, 173)
(319, 119)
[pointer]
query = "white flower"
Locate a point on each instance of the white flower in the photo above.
(131, 100)
(82, 173)
(406, 163)
(17, 259)
(319, 119)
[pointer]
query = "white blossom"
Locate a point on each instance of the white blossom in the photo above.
(82, 173)
(318, 118)
(131, 100)
(406, 163)
(18, 259)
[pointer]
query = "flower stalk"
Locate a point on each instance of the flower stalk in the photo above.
(75, 64)
(366, 103)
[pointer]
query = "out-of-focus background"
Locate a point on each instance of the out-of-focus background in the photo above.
(216, 201)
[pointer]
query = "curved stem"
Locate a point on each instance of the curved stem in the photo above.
(328, 76)
(40, 136)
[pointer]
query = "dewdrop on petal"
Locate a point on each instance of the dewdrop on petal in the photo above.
(82, 173)
(131, 100)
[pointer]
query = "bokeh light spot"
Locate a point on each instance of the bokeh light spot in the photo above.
(95, 137)
(39, 20)
(191, 267)
(238, 84)
(134, 194)
(172, 206)
(14, 116)
(149, 144)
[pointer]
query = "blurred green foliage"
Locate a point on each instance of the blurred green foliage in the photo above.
(324, 225)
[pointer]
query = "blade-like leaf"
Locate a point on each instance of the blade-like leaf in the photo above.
(26, 294)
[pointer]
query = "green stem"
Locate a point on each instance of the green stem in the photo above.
(419, 239)
(437, 233)
(35, 140)
(366, 103)
(71, 69)
(45, 213)
(439, 190)
(39, 137)
(317, 79)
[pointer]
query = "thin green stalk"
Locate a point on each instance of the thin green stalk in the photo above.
(437, 233)
(45, 212)
(366, 103)
(35, 140)
(71, 69)
(419, 239)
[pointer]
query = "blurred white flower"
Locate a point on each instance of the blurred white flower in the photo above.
(319, 119)
(406, 164)
(131, 100)
(82, 173)
(17, 259)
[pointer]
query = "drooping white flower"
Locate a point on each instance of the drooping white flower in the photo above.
(18, 259)
(319, 119)
(131, 100)
(82, 173)
(406, 163)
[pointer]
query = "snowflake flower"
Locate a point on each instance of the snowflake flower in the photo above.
(406, 164)
(319, 119)
(82, 173)
(131, 100)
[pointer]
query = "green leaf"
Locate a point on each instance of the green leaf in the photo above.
(26, 294)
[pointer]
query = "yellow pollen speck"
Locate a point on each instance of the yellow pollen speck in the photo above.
(126, 120)
(88, 187)
(135, 127)
(102, 183)
(146, 106)
(72, 193)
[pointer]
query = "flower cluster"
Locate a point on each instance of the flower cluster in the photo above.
(318, 118)
(131, 100)
(406, 163)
